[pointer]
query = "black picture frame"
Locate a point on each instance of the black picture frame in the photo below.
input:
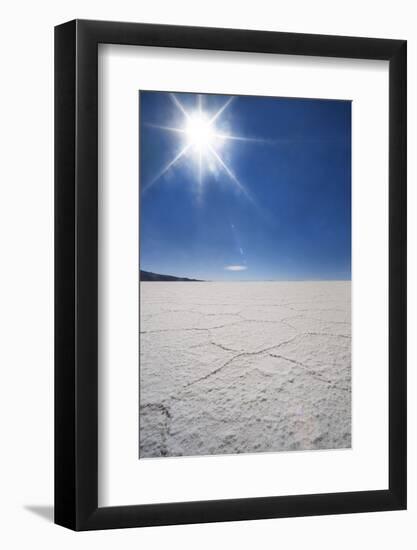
(76, 272)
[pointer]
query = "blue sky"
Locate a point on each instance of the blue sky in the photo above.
(258, 191)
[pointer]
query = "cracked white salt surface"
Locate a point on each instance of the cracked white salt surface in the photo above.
(244, 367)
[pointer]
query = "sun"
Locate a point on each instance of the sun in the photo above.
(199, 132)
(201, 141)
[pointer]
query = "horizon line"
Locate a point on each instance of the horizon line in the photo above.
(192, 279)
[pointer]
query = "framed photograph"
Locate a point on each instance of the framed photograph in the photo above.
(230, 253)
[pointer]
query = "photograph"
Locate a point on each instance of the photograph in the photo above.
(244, 274)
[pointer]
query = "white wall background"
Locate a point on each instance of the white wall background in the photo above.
(26, 270)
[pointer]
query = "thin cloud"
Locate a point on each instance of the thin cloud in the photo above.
(235, 267)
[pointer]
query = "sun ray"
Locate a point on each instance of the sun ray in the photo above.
(200, 169)
(230, 174)
(239, 138)
(179, 105)
(167, 167)
(167, 128)
(241, 187)
(219, 112)
(200, 152)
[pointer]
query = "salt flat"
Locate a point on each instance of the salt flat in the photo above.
(244, 367)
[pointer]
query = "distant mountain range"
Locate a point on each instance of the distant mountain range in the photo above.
(149, 276)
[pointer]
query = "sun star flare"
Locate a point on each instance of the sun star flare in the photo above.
(201, 141)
